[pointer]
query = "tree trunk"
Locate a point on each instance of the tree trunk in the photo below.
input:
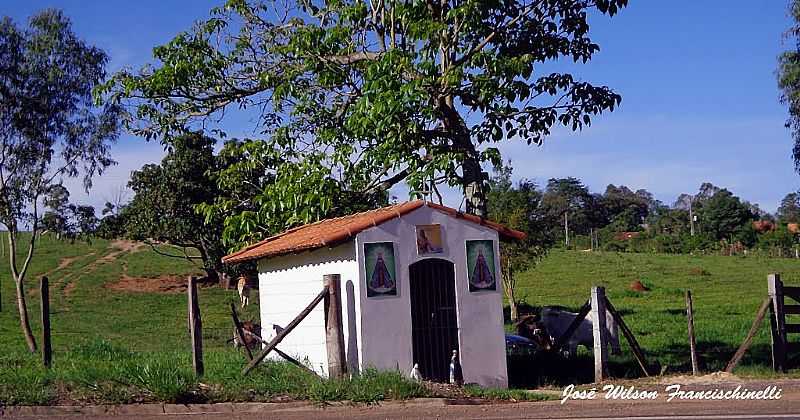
(473, 179)
(512, 303)
(508, 285)
(24, 322)
(474, 187)
(212, 275)
(212, 267)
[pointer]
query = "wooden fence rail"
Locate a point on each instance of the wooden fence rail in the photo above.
(280, 336)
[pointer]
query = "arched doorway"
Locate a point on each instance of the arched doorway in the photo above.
(434, 323)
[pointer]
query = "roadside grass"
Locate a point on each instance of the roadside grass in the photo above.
(114, 346)
(727, 292)
(497, 394)
(99, 372)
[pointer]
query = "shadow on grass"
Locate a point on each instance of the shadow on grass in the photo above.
(550, 369)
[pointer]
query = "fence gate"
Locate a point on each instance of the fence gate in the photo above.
(434, 323)
(781, 346)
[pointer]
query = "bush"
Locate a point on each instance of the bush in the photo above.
(779, 242)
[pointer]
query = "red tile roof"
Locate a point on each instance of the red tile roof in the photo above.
(334, 231)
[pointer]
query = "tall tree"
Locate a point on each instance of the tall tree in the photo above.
(724, 216)
(789, 210)
(85, 220)
(625, 209)
(789, 79)
(519, 207)
(570, 197)
(164, 207)
(371, 93)
(50, 127)
(56, 218)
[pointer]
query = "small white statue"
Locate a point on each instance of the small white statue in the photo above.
(414, 374)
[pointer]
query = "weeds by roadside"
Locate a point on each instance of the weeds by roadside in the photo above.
(99, 372)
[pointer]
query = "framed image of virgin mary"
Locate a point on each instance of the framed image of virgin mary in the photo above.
(380, 270)
(481, 266)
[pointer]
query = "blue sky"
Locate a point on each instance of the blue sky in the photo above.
(700, 101)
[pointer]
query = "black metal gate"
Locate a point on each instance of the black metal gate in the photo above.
(434, 323)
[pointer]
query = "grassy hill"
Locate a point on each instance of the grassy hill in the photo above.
(120, 335)
(727, 292)
(121, 292)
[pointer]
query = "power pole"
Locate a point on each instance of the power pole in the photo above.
(566, 229)
(691, 216)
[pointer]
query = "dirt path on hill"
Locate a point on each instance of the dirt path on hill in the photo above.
(120, 247)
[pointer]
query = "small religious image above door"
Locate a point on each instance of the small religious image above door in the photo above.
(429, 239)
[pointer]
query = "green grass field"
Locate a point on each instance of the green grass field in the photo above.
(727, 292)
(113, 345)
(119, 345)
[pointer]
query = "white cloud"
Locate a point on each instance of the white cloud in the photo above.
(131, 154)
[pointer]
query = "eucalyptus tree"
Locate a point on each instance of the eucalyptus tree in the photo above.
(789, 79)
(50, 128)
(361, 95)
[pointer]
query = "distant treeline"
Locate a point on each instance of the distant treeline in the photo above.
(712, 220)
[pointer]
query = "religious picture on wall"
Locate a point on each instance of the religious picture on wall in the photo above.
(380, 270)
(429, 239)
(480, 266)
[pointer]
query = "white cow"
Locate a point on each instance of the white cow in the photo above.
(244, 291)
(556, 321)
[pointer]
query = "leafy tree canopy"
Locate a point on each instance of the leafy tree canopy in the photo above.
(789, 79)
(50, 127)
(358, 96)
(789, 210)
(163, 208)
(570, 196)
(724, 216)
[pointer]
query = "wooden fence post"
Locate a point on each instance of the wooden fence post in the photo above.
(775, 288)
(44, 292)
(334, 332)
(599, 329)
(692, 341)
(195, 327)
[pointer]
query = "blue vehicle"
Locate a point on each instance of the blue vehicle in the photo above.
(517, 345)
